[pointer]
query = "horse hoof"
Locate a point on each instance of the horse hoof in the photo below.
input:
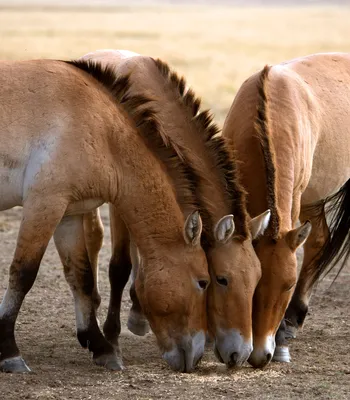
(14, 365)
(137, 325)
(290, 332)
(109, 361)
(281, 354)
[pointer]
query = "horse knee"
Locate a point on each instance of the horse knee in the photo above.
(297, 311)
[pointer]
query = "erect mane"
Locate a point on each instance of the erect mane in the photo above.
(264, 136)
(218, 148)
(145, 119)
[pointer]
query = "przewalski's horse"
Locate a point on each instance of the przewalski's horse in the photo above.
(291, 127)
(233, 264)
(68, 144)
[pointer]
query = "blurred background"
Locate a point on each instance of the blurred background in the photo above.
(216, 44)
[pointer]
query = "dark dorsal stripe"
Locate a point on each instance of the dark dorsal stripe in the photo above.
(264, 136)
(219, 151)
(145, 119)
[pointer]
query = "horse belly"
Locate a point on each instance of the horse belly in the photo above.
(10, 188)
(83, 206)
(326, 181)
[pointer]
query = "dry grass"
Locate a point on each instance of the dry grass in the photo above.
(215, 47)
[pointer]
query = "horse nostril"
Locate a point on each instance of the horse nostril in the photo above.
(218, 355)
(233, 359)
(268, 357)
(199, 359)
(184, 365)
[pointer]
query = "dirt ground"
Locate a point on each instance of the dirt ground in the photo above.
(320, 366)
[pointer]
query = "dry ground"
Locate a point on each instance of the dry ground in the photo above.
(216, 48)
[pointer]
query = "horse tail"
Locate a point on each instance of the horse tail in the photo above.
(337, 246)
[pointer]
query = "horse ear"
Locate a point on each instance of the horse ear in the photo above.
(296, 237)
(258, 225)
(224, 229)
(193, 228)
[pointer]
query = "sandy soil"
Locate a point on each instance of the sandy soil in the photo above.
(63, 370)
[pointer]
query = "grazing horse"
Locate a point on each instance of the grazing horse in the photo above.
(291, 127)
(72, 138)
(233, 264)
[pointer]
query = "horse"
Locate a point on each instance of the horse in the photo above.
(227, 233)
(73, 138)
(291, 129)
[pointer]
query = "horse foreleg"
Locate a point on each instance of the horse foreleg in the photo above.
(37, 227)
(93, 231)
(119, 271)
(70, 243)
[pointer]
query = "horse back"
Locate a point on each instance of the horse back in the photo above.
(326, 77)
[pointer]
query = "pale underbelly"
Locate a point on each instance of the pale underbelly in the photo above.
(321, 187)
(10, 188)
(11, 196)
(83, 206)
(330, 165)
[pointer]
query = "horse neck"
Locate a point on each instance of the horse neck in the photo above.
(239, 126)
(176, 119)
(144, 195)
(292, 126)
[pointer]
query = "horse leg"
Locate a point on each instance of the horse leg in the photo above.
(298, 307)
(137, 322)
(282, 353)
(37, 227)
(93, 232)
(119, 271)
(70, 242)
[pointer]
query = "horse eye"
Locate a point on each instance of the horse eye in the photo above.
(290, 287)
(203, 284)
(221, 280)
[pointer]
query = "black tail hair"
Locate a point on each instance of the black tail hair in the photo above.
(337, 246)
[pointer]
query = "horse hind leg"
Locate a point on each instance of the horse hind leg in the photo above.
(298, 307)
(93, 232)
(70, 242)
(37, 227)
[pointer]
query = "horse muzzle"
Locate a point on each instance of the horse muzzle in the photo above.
(262, 355)
(187, 353)
(232, 348)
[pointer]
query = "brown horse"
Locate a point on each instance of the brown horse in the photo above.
(233, 264)
(291, 127)
(68, 144)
